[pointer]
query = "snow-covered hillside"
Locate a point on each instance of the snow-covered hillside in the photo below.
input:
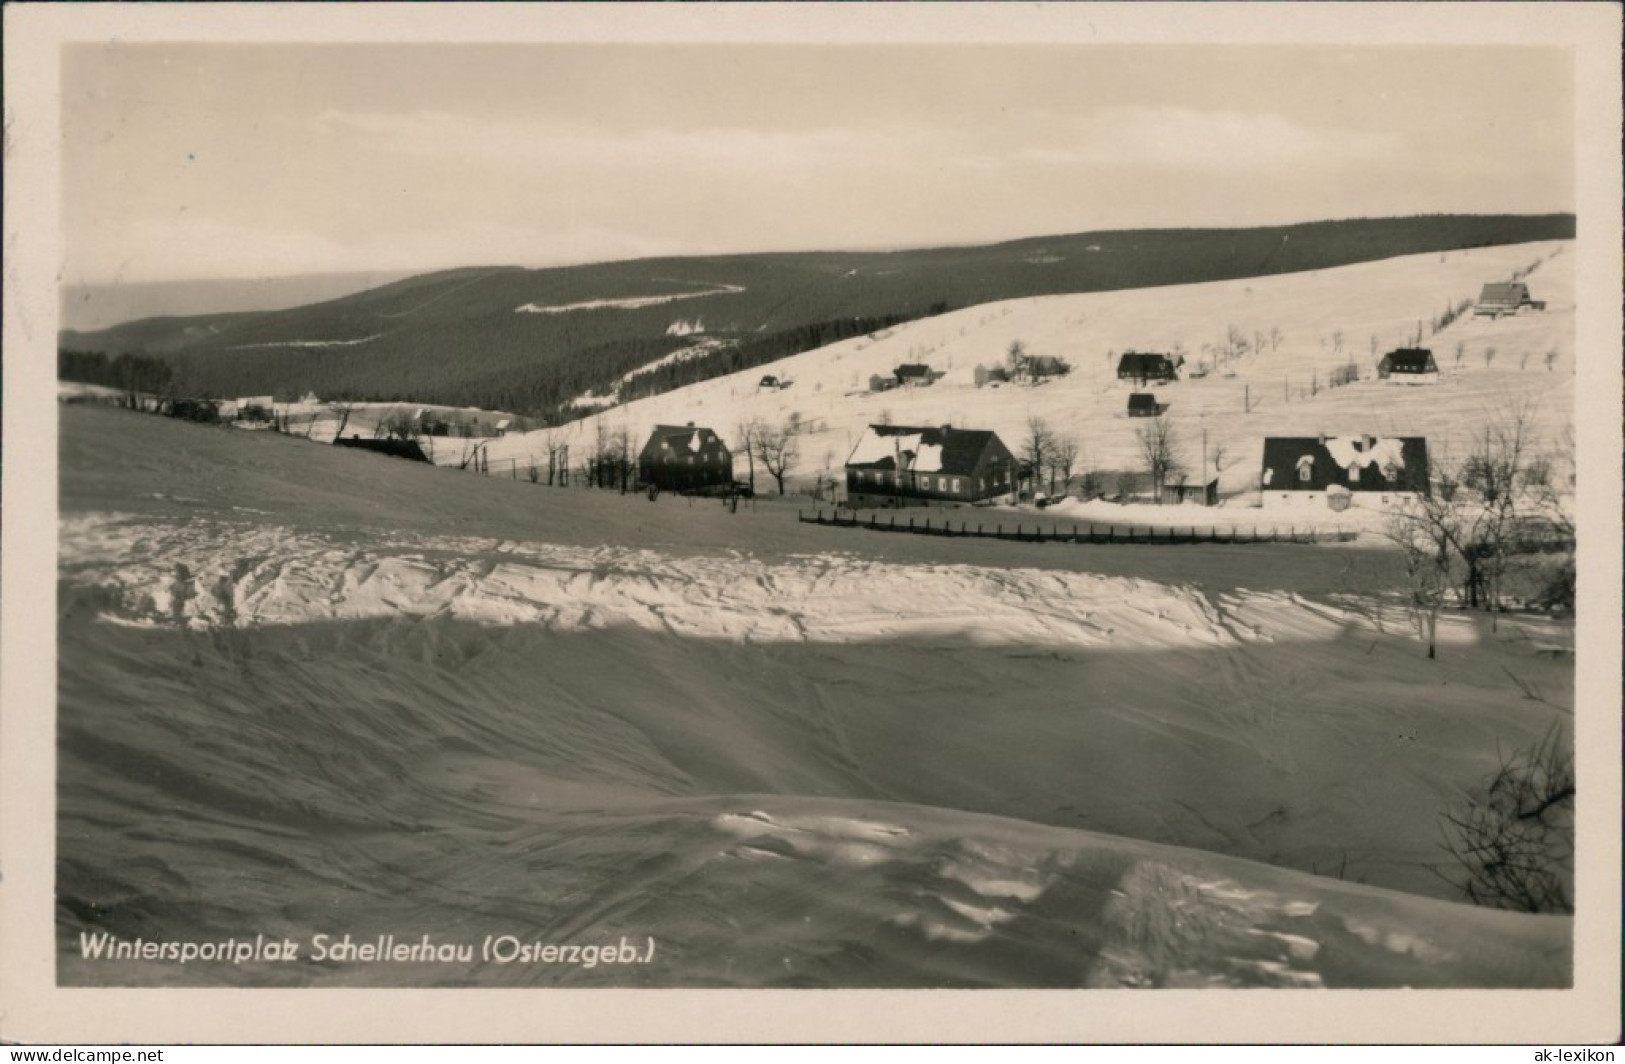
(1311, 324)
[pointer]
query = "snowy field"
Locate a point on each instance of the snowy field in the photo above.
(303, 688)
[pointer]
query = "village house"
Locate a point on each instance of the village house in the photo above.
(1409, 365)
(913, 374)
(685, 458)
(899, 465)
(1505, 297)
(1142, 368)
(1306, 468)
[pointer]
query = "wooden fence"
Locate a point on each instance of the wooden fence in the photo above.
(1076, 533)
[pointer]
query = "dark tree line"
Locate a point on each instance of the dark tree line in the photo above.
(128, 373)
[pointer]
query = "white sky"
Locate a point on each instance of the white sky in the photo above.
(237, 160)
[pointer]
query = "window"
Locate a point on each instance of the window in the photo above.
(1354, 472)
(953, 485)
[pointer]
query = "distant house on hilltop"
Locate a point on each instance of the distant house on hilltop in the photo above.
(900, 465)
(1409, 365)
(685, 458)
(407, 449)
(1143, 367)
(1505, 297)
(1297, 467)
(916, 374)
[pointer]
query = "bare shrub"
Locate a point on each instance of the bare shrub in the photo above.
(1513, 845)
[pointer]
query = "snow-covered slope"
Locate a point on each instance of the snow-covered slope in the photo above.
(1265, 392)
(309, 691)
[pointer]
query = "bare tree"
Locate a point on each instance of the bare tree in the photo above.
(624, 465)
(778, 448)
(745, 439)
(1159, 450)
(1065, 454)
(1036, 447)
(1426, 528)
(1019, 360)
(343, 410)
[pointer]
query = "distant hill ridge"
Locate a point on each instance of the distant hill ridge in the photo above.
(460, 337)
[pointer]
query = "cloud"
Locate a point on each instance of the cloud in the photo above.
(522, 142)
(1182, 138)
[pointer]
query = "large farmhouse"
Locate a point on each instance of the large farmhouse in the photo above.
(1409, 365)
(1302, 467)
(1140, 368)
(685, 458)
(897, 465)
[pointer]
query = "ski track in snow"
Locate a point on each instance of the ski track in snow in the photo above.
(204, 574)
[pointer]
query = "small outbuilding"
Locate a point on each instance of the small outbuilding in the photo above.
(1202, 493)
(1143, 404)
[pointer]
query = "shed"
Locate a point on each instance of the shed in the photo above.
(1143, 404)
(1198, 492)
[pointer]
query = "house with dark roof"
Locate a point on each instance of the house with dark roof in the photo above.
(1142, 368)
(684, 458)
(408, 449)
(1143, 404)
(1409, 365)
(1305, 467)
(913, 373)
(1504, 297)
(901, 465)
